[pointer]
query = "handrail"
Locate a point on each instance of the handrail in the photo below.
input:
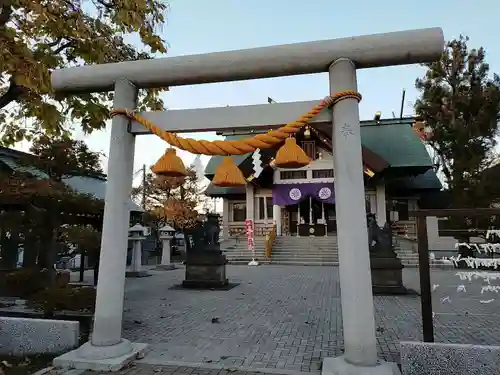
(270, 240)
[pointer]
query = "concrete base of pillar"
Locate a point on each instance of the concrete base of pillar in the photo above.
(165, 267)
(339, 366)
(136, 274)
(101, 358)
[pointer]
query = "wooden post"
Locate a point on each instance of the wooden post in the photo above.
(425, 279)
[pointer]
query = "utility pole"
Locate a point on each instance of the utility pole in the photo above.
(402, 104)
(144, 187)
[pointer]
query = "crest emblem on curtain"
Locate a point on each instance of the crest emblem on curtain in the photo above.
(295, 194)
(290, 194)
(324, 193)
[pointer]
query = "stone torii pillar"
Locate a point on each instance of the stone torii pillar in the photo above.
(107, 350)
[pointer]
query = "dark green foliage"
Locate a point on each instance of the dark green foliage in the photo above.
(24, 282)
(51, 300)
(460, 103)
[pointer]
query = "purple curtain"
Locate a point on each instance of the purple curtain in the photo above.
(289, 194)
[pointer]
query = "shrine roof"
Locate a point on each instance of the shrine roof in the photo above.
(393, 140)
(95, 185)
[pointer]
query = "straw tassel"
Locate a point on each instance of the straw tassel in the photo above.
(170, 165)
(228, 174)
(290, 155)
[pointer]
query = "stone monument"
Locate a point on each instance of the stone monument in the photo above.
(137, 234)
(386, 267)
(167, 233)
(205, 263)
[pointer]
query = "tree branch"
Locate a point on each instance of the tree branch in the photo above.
(61, 48)
(12, 94)
(5, 13)
(109, 5)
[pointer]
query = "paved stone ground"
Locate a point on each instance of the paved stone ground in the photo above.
(180, 370)
(288, 318)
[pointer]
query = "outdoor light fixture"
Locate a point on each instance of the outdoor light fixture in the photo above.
(378, 115)
(307, 132)
(167, 232)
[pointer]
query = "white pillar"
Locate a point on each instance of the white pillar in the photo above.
(136, 265)
(137, 234)
(250, 198)
(107, 329)
(265, 212)
(225, 219)
(166, 235)
(354, 263)
(323, 218)
(381, 204)
(310, 211)
(166, 250)
(373, 203)
(432, 223)
(298, 218)
(277, 218)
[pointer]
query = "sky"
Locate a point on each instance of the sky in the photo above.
(196, 26)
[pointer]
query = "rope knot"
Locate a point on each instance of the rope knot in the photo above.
(122, 111)
(331, 100)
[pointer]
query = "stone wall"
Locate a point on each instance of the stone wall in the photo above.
(25, 336)
(422, 358)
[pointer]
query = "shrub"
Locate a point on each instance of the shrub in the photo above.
(69, 299)
(25, 281)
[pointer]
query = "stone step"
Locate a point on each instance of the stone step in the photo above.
(305, 251)
(305, 246)
(309, 253)
(246, 252)
(307, 258)
(295, 240)
(305, 263)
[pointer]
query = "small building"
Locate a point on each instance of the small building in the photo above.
(17, 161)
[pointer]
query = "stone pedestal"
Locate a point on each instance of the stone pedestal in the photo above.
(387, 275)
(205, 270)
(340, 366)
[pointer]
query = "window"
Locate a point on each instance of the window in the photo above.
(322, 173)
(261, 209)
(309, 148)
(239, 211)
(293, 175)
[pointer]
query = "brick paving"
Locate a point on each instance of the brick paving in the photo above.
(288, 318)
(142, 369)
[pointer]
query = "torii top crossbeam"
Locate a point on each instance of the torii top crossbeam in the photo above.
(396, 48)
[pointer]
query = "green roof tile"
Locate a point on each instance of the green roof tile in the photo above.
(216, 160)
(397, 144)
(393, 140)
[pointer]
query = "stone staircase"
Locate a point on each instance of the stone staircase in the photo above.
(313, 251)
(236, 250)
(407, 251)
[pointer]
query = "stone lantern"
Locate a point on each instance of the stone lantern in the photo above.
(137, 234)
(166, 235)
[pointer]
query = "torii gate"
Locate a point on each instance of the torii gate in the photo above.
(107, 350)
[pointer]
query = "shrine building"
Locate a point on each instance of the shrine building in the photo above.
(301, 202)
